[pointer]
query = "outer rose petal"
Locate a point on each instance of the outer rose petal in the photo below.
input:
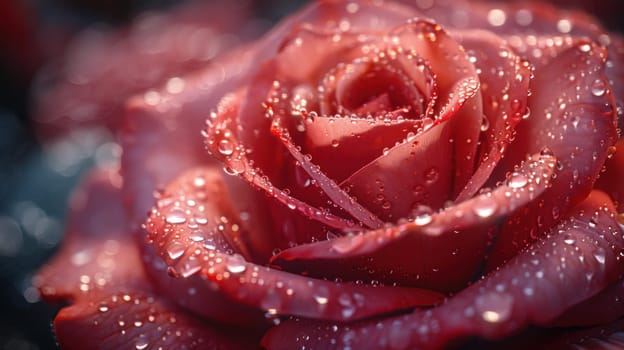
(101, 69)
(535, 287)
(577, 123)
(99, 270)
(611, 180)
(195, 231)
(442, 251)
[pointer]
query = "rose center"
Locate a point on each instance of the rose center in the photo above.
(378, 91)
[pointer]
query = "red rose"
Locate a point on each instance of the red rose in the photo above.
(381, 175)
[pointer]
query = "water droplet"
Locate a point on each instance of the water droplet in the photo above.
(599, 255)
(564, 26)
(103, 307)
(431, 175)
(321, 300)
(190, 267)
(175, 85)
(568, 240)
(225, 147)
(175, 249)
(517, 180)
(236, 264)
(347, 244)
(176, 216)
(496, 17)
(598, 87)
(335, 143)
(485, 123)
(141, 342)
(485, 207)
(494, 307)
(199, 181)
(585, 48)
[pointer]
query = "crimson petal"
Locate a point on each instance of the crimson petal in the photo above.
(185, 229)
(602, 308)
(440, 251)
(99, 270)
(533, 288)
(577, 123)
(611, 180)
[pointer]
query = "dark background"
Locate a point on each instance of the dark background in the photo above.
(33, 188)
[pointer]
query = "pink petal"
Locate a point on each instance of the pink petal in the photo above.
(442, 251)
(424, 164)
(577, 123)
(102, 69)
(222, 143)
(329, 137)
(459, 97)
(310, 24)
(161, 136)
(504, 90)
(535, 287)
(99, 271)
(209, 248)
(335, 193)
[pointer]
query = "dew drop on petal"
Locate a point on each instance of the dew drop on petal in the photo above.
(517, 180)
(495, 307)
(422, 215)
(600, 257)
(496, 17)
(598, 87)
(236, 264)
(568, 240)
(176, 216)
(225, 147)
(190, 267)
(103, 308)
(485, 207)
(175, 249)
(141, 342)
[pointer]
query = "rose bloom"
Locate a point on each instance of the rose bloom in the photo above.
(368, 174)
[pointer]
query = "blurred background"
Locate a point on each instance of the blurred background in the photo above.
(36, 37)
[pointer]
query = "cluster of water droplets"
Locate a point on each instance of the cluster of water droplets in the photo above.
(142, 322)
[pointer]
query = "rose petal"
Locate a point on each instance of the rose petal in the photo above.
(577, 125)
(448, 139)
(504, 79)
(162, 128)
(329, 186)
(221, 143)
(205, 248)
(365, 17)
(329, 138)
(611, 180)
(99, 270)
(423, 163)
(600, 309)
(459, 96)
(102, 69)
(534, 288)
(442, 251)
